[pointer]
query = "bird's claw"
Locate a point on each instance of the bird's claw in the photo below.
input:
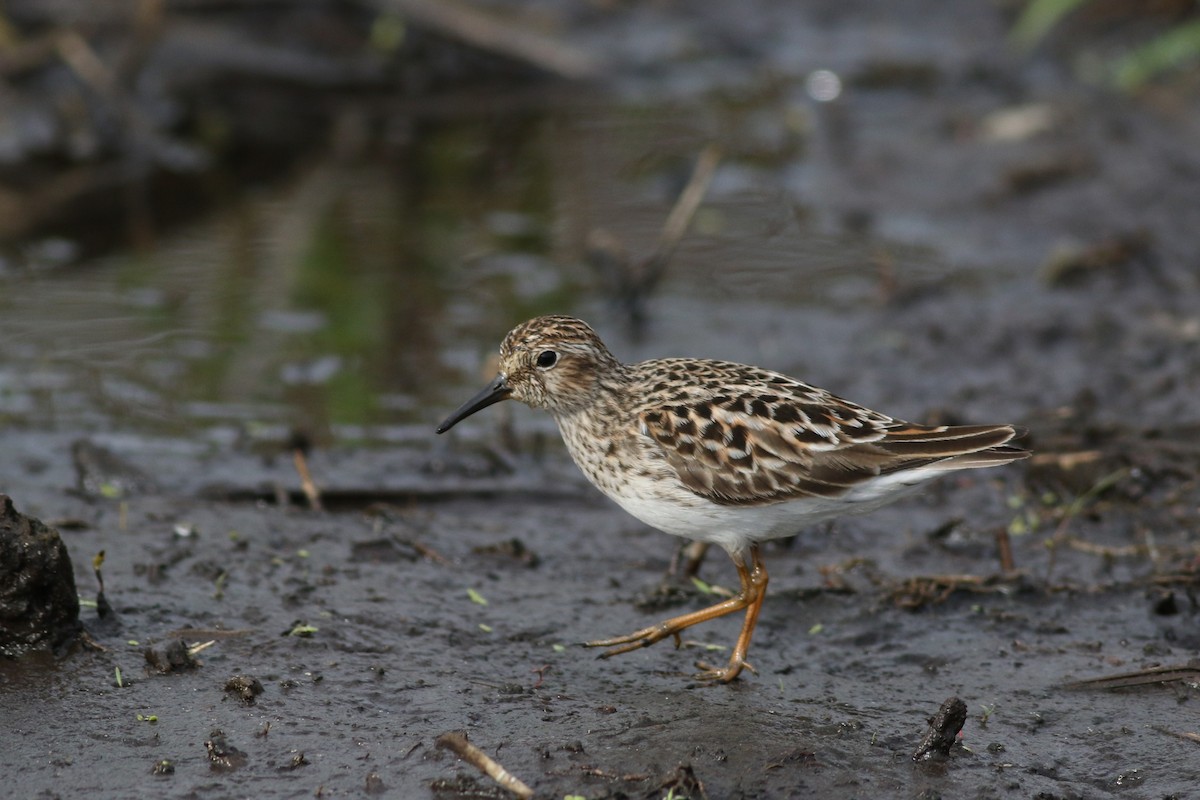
(709, 674)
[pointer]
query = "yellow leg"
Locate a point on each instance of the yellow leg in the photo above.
(750, 598)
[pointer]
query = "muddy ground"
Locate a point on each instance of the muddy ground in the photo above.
(915, 246)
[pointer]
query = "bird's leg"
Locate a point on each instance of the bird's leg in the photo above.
(754, 584)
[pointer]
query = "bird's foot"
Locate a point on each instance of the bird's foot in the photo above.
(636, 640)
(710, 675)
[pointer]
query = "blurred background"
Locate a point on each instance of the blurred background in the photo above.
(232, 218)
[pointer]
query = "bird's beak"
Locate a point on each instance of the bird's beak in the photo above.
(494, 392)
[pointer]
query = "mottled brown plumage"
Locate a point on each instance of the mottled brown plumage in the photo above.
(721, 452)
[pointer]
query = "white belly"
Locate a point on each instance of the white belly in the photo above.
(735, 528)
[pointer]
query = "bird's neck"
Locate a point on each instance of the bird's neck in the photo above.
(601, 395)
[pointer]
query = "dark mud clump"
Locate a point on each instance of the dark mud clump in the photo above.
(38, 603)
(244, 687)
(222, 756)
(175, 657)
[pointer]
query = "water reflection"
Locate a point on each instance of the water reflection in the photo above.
(319, 302)
(369, 289)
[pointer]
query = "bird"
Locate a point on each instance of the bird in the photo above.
(720, 452)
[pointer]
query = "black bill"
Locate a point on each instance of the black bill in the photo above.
(494, 392)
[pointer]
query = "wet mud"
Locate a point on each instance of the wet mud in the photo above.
(899, 252)
(365, 656)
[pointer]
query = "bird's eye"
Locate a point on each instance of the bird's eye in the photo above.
(547, 359)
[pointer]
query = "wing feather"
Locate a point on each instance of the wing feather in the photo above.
(742, 446)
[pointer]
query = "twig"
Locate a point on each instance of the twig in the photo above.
(687, 560)
(424, 550)
(457, 741)
(207, 633)
(632, 281)
(83, 61)
(200, 647)
(541, 673)
(1187, 736)
(1108, 551)
(487, 32)
(934, 589)
(681, 216)
(103, 607)
(1189, 672)
(1004, 546)
(885, 271)
(306, 482)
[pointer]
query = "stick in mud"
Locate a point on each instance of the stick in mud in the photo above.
(943, 729)
(1004, 550)
(311, 492)
(457, 741)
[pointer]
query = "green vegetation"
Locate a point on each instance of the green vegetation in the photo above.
(1039, 17)
(1174, 49)
(302, 630)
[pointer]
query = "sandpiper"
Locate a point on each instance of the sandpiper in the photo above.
(719, 452)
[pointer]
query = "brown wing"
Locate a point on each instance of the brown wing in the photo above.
(749, 448)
